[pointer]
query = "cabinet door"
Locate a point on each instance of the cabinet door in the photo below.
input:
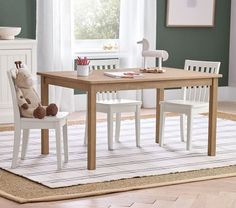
(7, 59)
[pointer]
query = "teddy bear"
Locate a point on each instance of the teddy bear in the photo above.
(27, 97)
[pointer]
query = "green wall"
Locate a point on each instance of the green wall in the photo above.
(21, 13)
(196, 43)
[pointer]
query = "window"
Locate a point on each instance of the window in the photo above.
(96, 24)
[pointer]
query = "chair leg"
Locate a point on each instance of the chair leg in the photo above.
(86, 130)
(117, 133)
(182, 127)
(25, 143)
(16, 146)
(58, 146)
(137, 125)
(162, 127)
(110, 130)
(65, 142)
(189, 131)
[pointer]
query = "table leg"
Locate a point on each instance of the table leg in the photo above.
(159, 97)
(44, 132)
(212, 118)
(91, 129)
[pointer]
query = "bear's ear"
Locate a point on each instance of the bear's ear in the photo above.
(16, 63)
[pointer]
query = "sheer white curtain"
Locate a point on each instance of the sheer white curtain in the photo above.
(54, 35)
(137, 21)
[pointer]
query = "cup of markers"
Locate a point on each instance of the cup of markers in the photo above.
(82, 66)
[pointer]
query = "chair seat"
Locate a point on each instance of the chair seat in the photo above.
(117, 105)
(185, 103)
(119, 102)
(48, 122)
(58, 117)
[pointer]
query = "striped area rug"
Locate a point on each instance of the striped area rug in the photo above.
(126, 160)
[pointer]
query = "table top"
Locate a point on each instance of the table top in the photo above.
(98, 76)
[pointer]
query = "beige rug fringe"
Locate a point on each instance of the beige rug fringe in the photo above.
(22, 200)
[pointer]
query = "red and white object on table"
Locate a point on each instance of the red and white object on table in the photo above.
(82, 66)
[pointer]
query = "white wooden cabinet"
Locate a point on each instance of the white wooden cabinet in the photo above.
(10, 51)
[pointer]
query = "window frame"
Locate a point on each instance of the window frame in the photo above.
(93, 45)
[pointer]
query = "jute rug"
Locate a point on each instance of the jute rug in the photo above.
(134, 168)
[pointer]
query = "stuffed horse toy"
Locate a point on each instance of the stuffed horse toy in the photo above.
(160, 54)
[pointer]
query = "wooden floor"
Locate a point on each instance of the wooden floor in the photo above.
(220, 193)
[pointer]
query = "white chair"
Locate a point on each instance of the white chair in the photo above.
(25, 124)
(195, 101)
(111, 103)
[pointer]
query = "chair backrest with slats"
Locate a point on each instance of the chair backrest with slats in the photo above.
(103, 64)
(199, 93)
(11, 77)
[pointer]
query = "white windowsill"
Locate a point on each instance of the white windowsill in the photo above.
(95, 48)
(98, 53)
